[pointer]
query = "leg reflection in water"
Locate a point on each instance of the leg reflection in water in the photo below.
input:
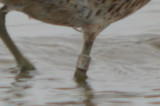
(17, 92)
(87, 92)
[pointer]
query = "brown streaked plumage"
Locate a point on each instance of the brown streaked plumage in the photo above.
(91, 15)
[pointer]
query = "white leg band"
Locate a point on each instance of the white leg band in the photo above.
(83, 62)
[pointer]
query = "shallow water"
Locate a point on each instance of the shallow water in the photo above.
(125, 67)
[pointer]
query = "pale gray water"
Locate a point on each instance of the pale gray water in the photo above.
(125, 67)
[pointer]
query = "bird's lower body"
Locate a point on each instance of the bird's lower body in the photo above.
(24, 64)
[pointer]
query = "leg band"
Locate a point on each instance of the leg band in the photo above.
(83, 62)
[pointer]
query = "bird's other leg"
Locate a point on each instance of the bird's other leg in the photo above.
(84, 58)
(22, 62)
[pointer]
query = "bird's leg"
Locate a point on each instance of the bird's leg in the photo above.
(22, 62)
(84, 58)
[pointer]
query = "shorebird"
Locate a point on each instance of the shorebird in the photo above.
(92, 16)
